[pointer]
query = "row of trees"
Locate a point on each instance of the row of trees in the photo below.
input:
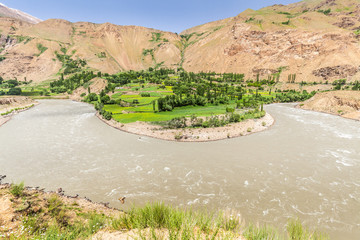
(71, 83)
(214, 120)
(12, 91)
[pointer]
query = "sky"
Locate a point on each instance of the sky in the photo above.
(166, 15)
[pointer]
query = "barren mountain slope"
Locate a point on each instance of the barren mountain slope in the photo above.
(312, 41)
(106, 47)
(318, 40)
(344, 103)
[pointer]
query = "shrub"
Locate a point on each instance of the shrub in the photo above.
(107, 115)
(230, 110)
(145, 94)
(178, 136)
(17, 189)
(234, 118)
(326, 12)
(91, 97)
(14, 91)
(105, 99)
(168, 107)
(41, 48)
(178, 122)
(57, 211)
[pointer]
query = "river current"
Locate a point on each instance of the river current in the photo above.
(307, 165)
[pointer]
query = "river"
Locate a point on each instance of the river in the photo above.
(307, 165)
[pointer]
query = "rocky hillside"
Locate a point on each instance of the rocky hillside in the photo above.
(343, 103)
(30, 49)
(318, 40)
(14, 13)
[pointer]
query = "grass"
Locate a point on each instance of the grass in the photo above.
(259, 233)
(49, 216)
(15, 109)
(142, 100)
(166, 116)
(297, 231)
(115, 109)
(17, 189)
(179, 223)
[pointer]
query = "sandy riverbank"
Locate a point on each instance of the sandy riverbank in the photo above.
(195, 134)
(14, 105)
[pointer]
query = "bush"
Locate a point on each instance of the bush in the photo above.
(107, 115)
(17, 189)
(234, 118)
(230, 110)
(14, 91)
(91, 97)
(105, 99)
(145, 94)
(178, 122)
(41, 48)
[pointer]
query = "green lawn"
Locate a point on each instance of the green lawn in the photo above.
(165, 116)
(144, 111)
(115, 109)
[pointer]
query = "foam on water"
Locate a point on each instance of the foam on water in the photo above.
(306, 165)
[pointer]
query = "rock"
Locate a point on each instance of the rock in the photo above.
(2, 177)
(122, 200)
(346, 22)
(340, 71)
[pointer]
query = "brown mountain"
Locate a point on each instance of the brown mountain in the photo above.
(318, 40)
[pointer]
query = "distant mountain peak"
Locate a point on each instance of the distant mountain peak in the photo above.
(17, 14)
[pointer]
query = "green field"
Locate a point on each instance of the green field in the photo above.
(143, 111)
(150, 116)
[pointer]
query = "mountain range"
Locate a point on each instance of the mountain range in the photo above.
(318, 40)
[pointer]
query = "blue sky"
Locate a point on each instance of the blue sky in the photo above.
(167, 15)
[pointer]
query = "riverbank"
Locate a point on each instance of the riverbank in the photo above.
(11, 105)
(30, 213)
(194, 134)
(345, 104)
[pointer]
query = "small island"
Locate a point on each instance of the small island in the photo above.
(177, 105)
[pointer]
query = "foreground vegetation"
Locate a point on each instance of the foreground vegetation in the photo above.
(40, 215)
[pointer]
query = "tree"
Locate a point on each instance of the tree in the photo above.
(92, 97)
(14, 91)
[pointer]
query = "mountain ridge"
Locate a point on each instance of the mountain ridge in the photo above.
(315, 39)
(17, 14)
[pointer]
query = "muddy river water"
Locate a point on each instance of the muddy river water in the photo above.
(307, 165)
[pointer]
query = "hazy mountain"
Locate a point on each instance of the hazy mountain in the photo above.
(14, 13)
